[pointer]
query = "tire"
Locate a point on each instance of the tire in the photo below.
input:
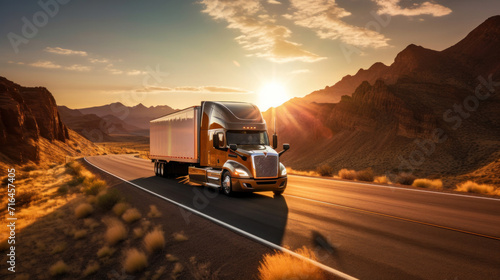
(226, 185)
(162, 169)
(278, 193)
(156, 168)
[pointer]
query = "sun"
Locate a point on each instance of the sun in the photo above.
(272, 94)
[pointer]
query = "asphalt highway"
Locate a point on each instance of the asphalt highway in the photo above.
(366, 231)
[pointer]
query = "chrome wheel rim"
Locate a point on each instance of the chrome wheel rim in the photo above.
(226, 184)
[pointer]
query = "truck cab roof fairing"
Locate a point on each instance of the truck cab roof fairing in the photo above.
(231, 115)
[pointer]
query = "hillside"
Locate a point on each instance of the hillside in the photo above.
(391, 120)
(31, 129)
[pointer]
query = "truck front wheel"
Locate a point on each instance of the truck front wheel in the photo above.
(226, 185)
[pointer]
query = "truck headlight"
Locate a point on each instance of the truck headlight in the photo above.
(241, 173)
(282, 170)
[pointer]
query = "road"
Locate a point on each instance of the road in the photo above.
(364, 230)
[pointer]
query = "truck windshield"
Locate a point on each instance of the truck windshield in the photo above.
(247, 137)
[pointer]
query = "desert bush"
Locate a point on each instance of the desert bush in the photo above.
(138, 232)
(105, 251)
(325, 170)
(405, 178)
(93, 186)
(428, 184)
(62, 190)
(282, 265)
(131, 215)
(347, 174)
(90, 223)
(154, 212)
(92, 267)
(28, 168)
(154, 240)
(381, 179)
(79, 234)
(108, 199)
(135, 261)
(83, 210)
(171, 258)
(115, 233)
(473, 187)
(75, 181)
(120, 208)
(73, 168)
(365, 175)
(59, 268)
(58, 248)
(178, 268)
(180, 236)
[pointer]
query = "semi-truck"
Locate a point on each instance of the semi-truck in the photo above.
(223, 145)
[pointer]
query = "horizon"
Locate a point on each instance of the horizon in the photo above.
(263, 52)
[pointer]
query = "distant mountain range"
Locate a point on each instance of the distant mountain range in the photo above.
(101, 123)
(430, 112)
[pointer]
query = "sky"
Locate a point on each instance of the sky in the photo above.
(180, 52)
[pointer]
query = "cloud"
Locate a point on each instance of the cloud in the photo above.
(324, 17)
(135, 72)
(61, 51)
(194, 89)
(97, 60)
(274, 2)
(300, 71)
(260, 34)
(111, 69)
(46, 64)
(393, 8)
(78, 67)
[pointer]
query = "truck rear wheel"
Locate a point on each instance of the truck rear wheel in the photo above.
(162, 169)
(226, 184)
(156, 168)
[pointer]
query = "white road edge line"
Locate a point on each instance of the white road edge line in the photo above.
(249, 235)
(396, 187)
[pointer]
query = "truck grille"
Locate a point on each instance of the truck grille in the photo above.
(266, 167)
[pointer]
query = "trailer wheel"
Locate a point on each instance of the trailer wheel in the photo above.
(226, 184)
(162, 169)
(156, 168)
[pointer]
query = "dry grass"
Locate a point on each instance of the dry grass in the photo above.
(154, 240)
(325, 170)
(90, 223)
(59, 268)
(83, 210)
(105, 251)
(180, 236)
(120, 208)
(381, 179)
(405, 178)
(131, 215)
(79, 234)
(93, 186)
(473, 187)
(58, 248)
(365, 175)
(171, 258)
(115, 233)
(178, 268)
(92, 267)
(285, 266)
(347, 174)
(138, 232)
(108, 199)
(428, 184)
(299, 172)
(135, 261)
(154, 212)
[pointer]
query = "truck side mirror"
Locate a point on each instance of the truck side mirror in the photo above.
(275, 141)
(286, 147)
(233, 147)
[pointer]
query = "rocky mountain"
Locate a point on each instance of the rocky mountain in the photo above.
(138, 116)
(423, 113)
(30, 124)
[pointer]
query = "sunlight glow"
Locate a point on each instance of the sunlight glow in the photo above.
(272, 94)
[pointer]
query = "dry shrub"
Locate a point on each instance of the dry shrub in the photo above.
(381, 179)
(347, 174)
(83, 210)
(200, 271)
(178, 268)
(120, 208)
(90, 223)
(473, 187)
(405, 178)
(171, 258)
(299, 172)
(79, 234)
(105, 251)
(159, 272)
(59, 268)
(92, 267)
(108, 199)
(73, 168)
(325, 170)
(115, 233)
(428, 184)
(365, 175)
(154, 240)
(180, 236)
(153, 212)
(26, 197)
(131, 215)
(138, 232)
(93, 186)
(135, 261)
(285, 266)
(58, 248)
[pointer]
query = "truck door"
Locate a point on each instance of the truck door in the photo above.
(218, 156)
